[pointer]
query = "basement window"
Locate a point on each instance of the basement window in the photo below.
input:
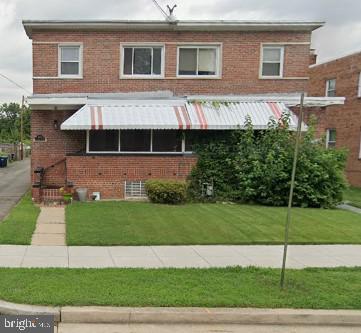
(331, 138)
(135, 189)
(331, 88)
(70, 61)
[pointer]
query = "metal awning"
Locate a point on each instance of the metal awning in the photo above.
(175, 114)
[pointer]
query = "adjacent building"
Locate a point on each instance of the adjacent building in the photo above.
(341, 125)
(118, 102)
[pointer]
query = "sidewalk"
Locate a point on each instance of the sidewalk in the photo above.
(200, 256)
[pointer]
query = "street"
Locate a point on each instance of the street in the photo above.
(14, 182)
(106, 328)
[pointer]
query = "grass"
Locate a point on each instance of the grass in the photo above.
(19, 225)
(337, 288)
(141, 223)
(353, 196)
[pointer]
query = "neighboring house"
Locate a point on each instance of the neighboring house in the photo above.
(341, 125)
(118, 102)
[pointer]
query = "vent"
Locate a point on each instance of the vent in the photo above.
(135, 189)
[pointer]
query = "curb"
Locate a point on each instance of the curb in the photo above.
(240, 316)
(7, 308)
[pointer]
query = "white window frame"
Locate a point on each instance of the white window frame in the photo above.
(328, 137)
(328, 87)
(141, 46)
(71, 76)
(359, 154)
(151, 152)
(282, 60)
(359, 86)
(218, 49)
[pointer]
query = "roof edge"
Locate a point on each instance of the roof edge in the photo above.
(163, 25)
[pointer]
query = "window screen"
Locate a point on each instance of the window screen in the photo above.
(197, 61)
(103, 140)
(167, 141)
(135, 140)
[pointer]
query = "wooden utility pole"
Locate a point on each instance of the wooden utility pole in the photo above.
(22, 129)
(295, 158)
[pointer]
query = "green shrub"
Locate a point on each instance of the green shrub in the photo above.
(255, 166)
(166, 191)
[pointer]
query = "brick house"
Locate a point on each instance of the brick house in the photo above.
(341, 125)
(119, 102)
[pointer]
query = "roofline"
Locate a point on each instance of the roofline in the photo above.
(67, 101)
(332, 59)
(163, 25)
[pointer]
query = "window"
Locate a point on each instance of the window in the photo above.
(70, 61)
(331, 138)
(359, 86)
(137, 141)
(331, 88)
(142, 61)
(107, 141)
(135, 189)
(272, 61)
(198, 61)
(360, 147)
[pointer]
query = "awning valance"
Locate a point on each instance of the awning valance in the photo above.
(177, 114)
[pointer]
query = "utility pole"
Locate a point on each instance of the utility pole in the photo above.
(295, 158)
(22, 128)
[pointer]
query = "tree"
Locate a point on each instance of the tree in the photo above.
(10, 123)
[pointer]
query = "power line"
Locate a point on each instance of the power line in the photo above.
(15, 83)
(161, 9)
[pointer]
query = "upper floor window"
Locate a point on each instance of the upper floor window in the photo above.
(272, 61)
(70, 61)
(331, 88)
(198, 61)
(359, 86)
(142, 61)
(331, 138)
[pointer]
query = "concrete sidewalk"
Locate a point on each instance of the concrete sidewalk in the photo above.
(200, 256)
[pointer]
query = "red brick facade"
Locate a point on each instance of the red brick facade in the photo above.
(240, 66)
(345, 119)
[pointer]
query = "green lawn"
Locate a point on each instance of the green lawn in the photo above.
(337, 288)
(19, 225)
(353, 196)
(141, 223)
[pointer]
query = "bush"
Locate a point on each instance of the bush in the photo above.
(166, 191)
(255, 166)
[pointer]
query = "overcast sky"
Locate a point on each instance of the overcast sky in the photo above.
(341, 35)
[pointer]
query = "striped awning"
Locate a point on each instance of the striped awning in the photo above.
(178, 114)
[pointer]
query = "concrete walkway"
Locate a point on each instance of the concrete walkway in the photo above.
(14, 182)
(50, 227)
(179, 256)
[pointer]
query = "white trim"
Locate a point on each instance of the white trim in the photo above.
(359, 86)
(328, 87)
(67, 76)
(282, 58)
(197, 46)
(359, 154)
(142, 45)
(151, 152)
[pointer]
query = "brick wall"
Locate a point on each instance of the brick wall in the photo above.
(240, 65)
(107, 174)
(345, 119)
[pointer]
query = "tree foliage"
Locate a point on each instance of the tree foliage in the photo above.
(255, 166)
(10, 123)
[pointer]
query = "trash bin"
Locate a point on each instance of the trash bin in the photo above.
(82, 194)
(3, 161)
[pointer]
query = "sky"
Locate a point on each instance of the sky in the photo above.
(341, 34)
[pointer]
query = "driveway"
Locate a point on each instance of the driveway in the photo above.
(14, 182)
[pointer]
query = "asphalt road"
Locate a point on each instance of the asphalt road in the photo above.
(103, 328)
(14, 182)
